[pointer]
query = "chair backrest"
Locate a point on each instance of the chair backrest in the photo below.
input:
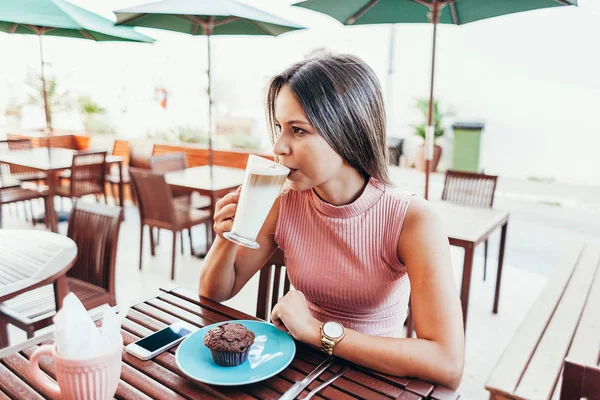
(87, 173)
(270, 289)
(580, 381)
(155, 200)
(19, 144)
(121, 149)
(95, 230)
(168, 162)
(469, 188)
(4, 168)
(14, 170)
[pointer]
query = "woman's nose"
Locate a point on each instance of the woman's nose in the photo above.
(281, 148)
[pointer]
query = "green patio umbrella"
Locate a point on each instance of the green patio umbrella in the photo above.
(458, 12)
(60, 18)
(205, 17)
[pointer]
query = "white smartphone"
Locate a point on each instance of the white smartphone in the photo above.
(157, 342)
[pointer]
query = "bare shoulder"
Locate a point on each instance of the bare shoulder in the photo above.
(423, 227)
(421, 214)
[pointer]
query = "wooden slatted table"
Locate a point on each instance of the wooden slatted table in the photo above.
(51, 162)
(564, 322)
(160, 378)
(467, 227)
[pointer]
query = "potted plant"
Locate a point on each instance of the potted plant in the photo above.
(439, 131)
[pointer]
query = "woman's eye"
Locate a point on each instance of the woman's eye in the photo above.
(278, 129)
(298, 130)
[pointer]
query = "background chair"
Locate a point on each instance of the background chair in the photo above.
(158, 210)
(95, 230)
(87, 176)
(23, 174)
(170, 162)
(121, 149)
(471, 189)
(394, 146)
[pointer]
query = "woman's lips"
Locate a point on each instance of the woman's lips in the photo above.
(292, 170)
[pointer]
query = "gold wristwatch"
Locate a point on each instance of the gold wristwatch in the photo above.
(331, 334)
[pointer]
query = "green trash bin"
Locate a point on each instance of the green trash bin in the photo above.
(467, 141)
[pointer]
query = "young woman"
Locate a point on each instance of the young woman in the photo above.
(356, 248)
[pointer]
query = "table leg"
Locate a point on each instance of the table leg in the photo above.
(51, 222)
(61, 289)
(121, 195)
(466, 283)
(210, 232)
(500, 263)
(213, 206)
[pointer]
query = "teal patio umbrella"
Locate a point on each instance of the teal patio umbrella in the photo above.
(60, 18)
(208, 18)
(457, 12)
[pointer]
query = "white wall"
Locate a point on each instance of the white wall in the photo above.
(532, 78)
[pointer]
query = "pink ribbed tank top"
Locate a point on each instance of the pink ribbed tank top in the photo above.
(344, 258)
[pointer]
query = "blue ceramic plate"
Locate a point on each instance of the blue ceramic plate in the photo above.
(272, 351)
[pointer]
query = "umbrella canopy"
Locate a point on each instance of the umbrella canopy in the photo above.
(205, 17)
(363, 12)
(60, 18)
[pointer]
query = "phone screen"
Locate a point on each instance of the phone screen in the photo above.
(163, 337)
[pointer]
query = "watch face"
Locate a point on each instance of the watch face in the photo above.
(333, 329)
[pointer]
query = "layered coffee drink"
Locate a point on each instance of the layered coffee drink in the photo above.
(262, 185)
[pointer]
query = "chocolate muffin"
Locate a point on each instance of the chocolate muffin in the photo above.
(229, 343)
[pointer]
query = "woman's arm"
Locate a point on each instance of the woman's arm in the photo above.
(438, 354)
(228, 266)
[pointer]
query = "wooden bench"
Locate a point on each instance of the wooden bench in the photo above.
(564, 322)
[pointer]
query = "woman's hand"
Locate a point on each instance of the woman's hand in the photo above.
(225, 212)
(291, 314)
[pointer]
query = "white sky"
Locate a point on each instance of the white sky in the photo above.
(531, 77)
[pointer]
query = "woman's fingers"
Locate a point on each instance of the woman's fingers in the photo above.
(276, 320)
(228, 199)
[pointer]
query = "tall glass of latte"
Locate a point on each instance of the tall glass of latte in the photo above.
(262, 185)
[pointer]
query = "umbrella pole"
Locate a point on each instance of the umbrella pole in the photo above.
(210, 114)
(45, 95)
(430, 131)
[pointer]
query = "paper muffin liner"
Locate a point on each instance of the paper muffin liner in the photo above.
(229, 358)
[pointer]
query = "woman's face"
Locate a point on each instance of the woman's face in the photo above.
(301, 148)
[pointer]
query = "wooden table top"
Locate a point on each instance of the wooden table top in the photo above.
(160, 378)
(39, 159)
(469, 224)
(29, 257)
(198, 178)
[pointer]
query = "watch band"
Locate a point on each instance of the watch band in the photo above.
(327, 345)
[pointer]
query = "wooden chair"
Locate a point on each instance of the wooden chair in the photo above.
(580, 381)
(471, 189)
(164, 163)
(121, 149)
(23, 174)
(87, 175)
(17, 194)
(170, 162)
(95, 230)
(270, 289)
(158, 210)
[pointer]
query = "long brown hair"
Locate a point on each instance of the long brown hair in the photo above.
(342, 99)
